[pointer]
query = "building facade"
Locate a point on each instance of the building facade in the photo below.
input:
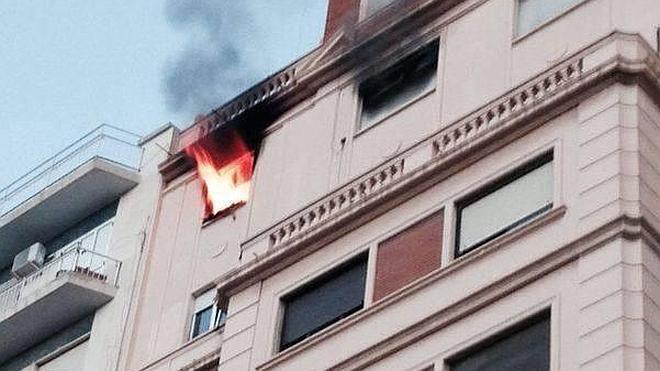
(440, 185)
(72, 232)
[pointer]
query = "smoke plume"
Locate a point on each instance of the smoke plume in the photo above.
(233, 44)
(213, 66)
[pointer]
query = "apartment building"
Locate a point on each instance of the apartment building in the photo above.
(440, 185)
(72, 232)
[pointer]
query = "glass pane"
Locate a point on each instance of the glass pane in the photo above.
(526, 349)
(502, 209)
(324, 302)
(532, 13)
(202, 321)
(375, 5)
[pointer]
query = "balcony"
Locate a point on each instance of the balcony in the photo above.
(85, 176)
(72, 285)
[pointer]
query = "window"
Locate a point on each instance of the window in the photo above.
(323, 302)
(391, 89)
(408, 255)
(209, 313)
(505, 205)
(375, 5)
(526, 347)
(533, 13)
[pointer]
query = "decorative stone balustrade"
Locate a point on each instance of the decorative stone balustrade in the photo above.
(271, 87)
(491, 116)
(340, 201)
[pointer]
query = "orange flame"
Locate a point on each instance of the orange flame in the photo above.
(225, 174)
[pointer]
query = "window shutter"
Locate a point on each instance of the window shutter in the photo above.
(408, 255)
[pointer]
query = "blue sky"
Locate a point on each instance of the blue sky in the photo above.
(67, 66)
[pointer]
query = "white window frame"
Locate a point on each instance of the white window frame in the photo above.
(204, 301)
(549, 156)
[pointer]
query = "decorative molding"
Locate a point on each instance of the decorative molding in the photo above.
(333, 205)
(453, 148)
(488, 118)
(302, 78)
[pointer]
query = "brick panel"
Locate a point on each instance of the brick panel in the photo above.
(408, 255)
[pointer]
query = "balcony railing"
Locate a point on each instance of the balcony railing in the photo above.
(107, 142)
(76, 260)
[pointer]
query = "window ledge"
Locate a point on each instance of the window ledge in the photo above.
(460, 263)
(519, 38)
(218, 330)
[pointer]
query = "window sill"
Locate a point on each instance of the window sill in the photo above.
(460, 263)
(187, 344)
(361, 130)
(519, 38)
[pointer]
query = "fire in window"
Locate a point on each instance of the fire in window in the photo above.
(225, 163)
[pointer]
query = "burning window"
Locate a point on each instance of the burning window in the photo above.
(225, 164)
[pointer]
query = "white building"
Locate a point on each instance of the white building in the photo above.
(72, 232)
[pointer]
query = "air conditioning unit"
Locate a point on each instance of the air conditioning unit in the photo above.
(28, 260)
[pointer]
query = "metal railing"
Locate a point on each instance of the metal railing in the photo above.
(108, 142)
(77, 260)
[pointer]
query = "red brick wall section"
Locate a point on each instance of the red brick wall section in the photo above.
(408, 255)
(340, 12)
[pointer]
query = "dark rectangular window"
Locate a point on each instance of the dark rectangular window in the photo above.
(408, 255)
(374, 6)
(323, 302)
(505, 205)
(526, 347)
(408, 79)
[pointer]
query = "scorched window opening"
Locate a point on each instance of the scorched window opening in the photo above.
(225, 165)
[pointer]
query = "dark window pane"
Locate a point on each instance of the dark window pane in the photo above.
(323, 302)
(506, 205)
(202, 321)
(401, 83)
(525, 349)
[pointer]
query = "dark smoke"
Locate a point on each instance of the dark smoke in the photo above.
(214, 66)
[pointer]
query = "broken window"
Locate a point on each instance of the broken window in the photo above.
(388, 91)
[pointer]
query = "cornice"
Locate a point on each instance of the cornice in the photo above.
(446, 152)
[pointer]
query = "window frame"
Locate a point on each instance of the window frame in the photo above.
(427, 43)
(518, 36)
(499, 183)
(545, 314)
(362, 257)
